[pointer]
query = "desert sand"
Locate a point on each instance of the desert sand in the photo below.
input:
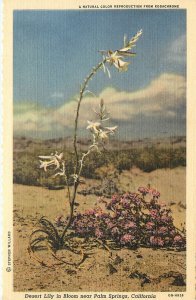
(96, 273)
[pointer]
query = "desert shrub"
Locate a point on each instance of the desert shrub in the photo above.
(94, 161)
(26, 169)
(150, 159)
(123, 160)
(131, 220)
(178, 157)
(52, 182)
(147, 159)
(108, 171)
(26, 165)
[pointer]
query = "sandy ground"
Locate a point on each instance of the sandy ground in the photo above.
(96, 274)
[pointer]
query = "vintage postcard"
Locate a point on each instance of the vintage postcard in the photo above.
(98, 142)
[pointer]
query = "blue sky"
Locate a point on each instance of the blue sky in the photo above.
(54, 51)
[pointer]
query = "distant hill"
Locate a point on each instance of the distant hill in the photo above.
(22, 144)
(146, 154)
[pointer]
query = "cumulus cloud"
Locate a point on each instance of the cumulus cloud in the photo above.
(57, 95)
(177, 51)
(164, 98)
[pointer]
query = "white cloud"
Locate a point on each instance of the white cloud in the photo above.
(163, 98)
(167, 92)
(57, 95)
(177, 51)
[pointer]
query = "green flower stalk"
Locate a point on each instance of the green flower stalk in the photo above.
(100, 133)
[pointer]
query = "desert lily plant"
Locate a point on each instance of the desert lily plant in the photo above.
(47, 232)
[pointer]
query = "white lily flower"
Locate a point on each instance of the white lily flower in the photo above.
(131, 43)
(110, 130)
(45, 164)
(115, 57)
(121, 65)
(52, 156)
(53, 159)
(100, 132)
(103, 135)
(60, 156)
(94, 126)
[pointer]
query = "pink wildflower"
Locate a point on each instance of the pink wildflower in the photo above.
(98, 233)
(143, 190)
(178, 239)
(154, 193)
(162, 229)
(156, 241)
(90, 212)
(172, 232)
(110, 225)
(125, 203)
(130, 224)
(166, 218)
(115, 231)
(126, 238)
(154, 213)
(149, 225)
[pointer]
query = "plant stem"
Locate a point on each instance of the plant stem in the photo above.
(83, 87)
(68, 223)
(68, 191)
(78, 168)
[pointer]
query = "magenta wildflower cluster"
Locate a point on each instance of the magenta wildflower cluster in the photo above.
(131, 220)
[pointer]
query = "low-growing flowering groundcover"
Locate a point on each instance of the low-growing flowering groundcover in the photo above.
(135, 219)
(130, 220)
